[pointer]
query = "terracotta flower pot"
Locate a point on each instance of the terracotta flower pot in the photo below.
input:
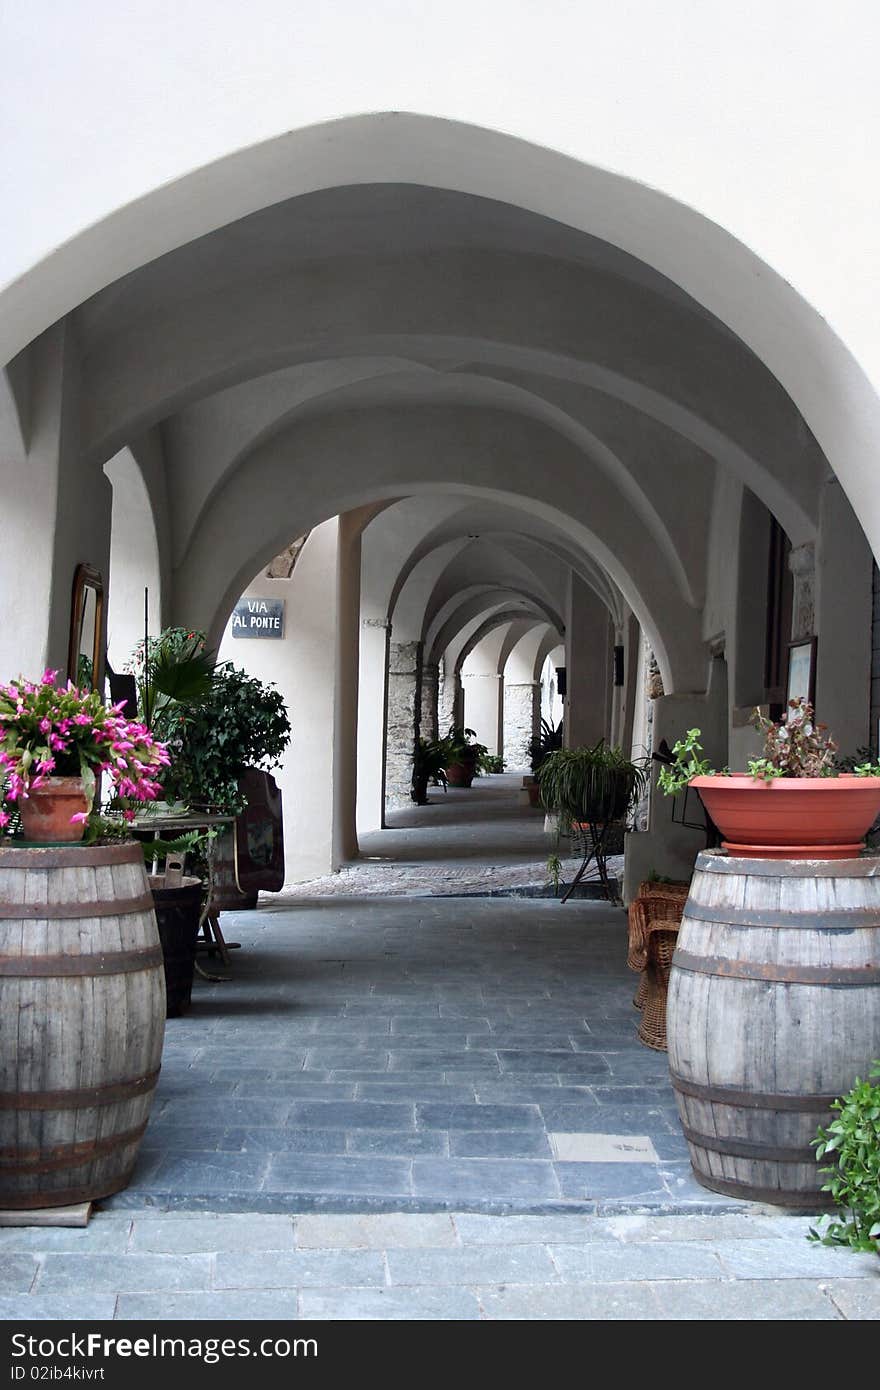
(791, 817)
(462, 772)
(46, 811)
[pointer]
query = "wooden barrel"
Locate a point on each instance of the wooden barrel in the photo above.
(773, 1011)
(82, 1021)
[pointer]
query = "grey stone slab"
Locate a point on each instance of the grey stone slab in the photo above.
(433, 1029)
(472, 1264)
(496, 1117)
(300, 1268)
(375, 1232)
(299, 1087)
(609, 1119)
(784, 1259)
(400, 1089)
(17, 1273)
(355, 1114)
(554, 1063)
(84, 1307)
(484, 1179)
(398, 1304)
(197, 1234)
(211, 1172)
(749, 1300)
(491, 1143)
(642, 1229)
(607, 1262)
(366, 1175)
(70, 1274)
(474, 1228)
(570, 1303)
(329, 1059)
(856, 1299)
(213, 1111)
(104, 1234)
(397, 1143)
(291, 1140)
(244, 1305)
(599, 1181)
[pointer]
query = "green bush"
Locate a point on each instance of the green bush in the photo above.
(852, 1141)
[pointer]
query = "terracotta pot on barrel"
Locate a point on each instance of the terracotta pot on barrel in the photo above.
(773, 1011)
(82, 1004)
(46, 811)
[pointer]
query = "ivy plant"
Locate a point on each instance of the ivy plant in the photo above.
(852, 1142)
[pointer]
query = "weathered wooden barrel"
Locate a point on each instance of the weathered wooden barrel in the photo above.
(178, 912)
(773, 1011)
(82, 1021)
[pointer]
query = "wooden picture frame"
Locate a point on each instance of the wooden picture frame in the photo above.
(86, 628)
(800, 682)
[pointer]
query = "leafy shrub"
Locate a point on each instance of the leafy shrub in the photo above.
(852, 1140)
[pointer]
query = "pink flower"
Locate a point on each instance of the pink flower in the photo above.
(48, 677)
(79, 818)
(4, 819)
(45, 726)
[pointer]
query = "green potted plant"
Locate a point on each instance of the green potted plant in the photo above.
(794, 802)
(589, 790)
(547, 740)
(852, 1144)
(463, 754)
(429, 767)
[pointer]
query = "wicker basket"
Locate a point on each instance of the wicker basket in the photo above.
(660, 939)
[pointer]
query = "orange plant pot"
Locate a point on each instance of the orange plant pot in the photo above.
(46, 812)
(791, 817)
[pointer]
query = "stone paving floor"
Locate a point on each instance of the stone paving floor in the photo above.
(149, 1266)
(470, 840)
(416, 1106)
(417, 1054)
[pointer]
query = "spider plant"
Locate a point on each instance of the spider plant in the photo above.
(590, 785)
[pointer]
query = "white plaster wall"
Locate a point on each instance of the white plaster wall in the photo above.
(303, 666)
(182, 98)
(134, 561)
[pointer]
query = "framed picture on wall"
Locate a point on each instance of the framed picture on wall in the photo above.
(801, 683)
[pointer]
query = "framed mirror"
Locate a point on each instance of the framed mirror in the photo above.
(85, 653)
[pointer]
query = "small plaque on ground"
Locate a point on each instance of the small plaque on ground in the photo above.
(603, 1148)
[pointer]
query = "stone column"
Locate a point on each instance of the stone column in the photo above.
(522, 710)
(449, 700)
(401, 721)
(429, 702)
(802, 563)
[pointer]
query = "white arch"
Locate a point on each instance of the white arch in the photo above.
(789, 335)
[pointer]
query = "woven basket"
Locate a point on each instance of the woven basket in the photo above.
(660, 946)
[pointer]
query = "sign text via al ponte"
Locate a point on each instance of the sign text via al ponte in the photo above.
(258, 617)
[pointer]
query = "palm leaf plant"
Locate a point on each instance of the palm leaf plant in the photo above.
(429, 766)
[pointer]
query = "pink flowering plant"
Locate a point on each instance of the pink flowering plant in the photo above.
(49, 731)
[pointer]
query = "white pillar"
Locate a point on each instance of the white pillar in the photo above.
(588, 660)
(843, 622)
(371, 722)
(315, 667)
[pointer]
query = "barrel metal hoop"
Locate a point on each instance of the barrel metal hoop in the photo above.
(779, 919)
(713, 862)
(772, 1196)
(24, 1162)
(73, 857)
(67, 1196)
(771, 973)
(757, 1100)
(101, 963)
(51, 912)
(109, 1094)
(742, 1148)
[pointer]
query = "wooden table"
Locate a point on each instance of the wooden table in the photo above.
(167, 826)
